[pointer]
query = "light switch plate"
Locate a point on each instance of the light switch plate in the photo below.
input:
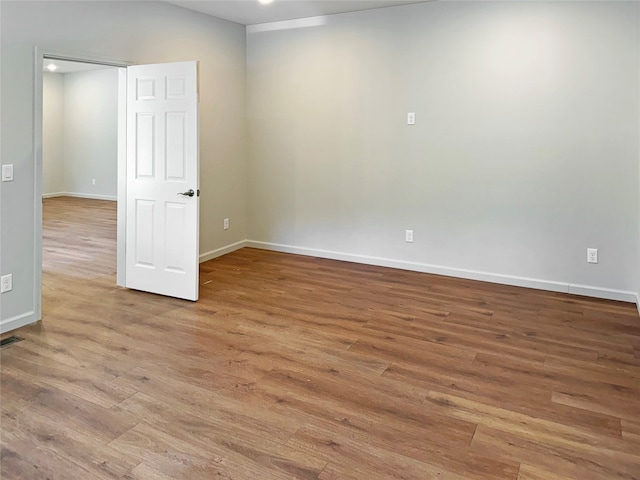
(7, 173)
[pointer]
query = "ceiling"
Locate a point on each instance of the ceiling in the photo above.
(64, 66)
(251, 12)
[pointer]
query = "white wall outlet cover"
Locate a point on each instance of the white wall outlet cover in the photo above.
(6, 283)
(7, 173)
(592, 255)
(411, 118)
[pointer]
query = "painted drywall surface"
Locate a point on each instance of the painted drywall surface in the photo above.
(80, 133)
(524, 152)
(52, 133)
(91, 132)
(140, 32)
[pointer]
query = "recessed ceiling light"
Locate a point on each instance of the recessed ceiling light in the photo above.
(265, 2)
(51, 67)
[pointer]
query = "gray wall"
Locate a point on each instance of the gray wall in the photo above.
(91, 132)
(80, 123)
(140, 32)
(53, 133)
(524, 154)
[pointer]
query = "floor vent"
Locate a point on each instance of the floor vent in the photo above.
(9, 340)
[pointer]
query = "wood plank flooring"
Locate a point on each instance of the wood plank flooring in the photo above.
(294, 367)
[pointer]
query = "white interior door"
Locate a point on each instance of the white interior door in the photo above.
(162, 212)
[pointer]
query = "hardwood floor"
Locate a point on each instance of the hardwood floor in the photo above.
(294, 367)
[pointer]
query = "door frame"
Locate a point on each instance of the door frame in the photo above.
(40, 56)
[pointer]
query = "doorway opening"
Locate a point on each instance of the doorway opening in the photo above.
(157, 211)
(79, 158)
(79, 170)
(80, 130)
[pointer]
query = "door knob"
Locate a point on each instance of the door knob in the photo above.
(188, 193)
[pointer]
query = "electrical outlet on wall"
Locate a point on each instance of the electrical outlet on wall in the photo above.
(6, 282)
(408, 236)
(592, 255)
(93, 181)
(225, 224)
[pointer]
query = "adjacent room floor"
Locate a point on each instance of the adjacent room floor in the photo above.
(294, 367)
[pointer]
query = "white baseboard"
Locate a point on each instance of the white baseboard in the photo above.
(218, 252)
(18, 321)
(600, 292)
(81, 195)
(553, 286)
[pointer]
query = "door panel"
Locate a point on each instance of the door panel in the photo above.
(176, 147)
(145, 133)
(162, 163)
